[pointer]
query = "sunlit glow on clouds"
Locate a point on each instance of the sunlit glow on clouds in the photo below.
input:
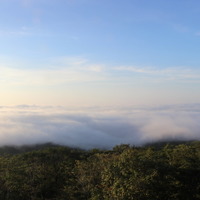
(101, 127)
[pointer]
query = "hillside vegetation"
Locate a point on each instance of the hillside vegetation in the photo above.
(161, 171)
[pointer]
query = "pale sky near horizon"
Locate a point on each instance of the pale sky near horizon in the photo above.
(99, 52)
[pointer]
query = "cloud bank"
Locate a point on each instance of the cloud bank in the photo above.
(98, 127)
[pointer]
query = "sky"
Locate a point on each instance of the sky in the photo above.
(99, 52)
(97, 73)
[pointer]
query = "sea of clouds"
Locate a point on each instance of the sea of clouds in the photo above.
(98, 127)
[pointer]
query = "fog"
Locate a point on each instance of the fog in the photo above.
(98, 127)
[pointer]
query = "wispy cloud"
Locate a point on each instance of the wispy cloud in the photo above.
(63, 70)
(46, 77)
(181, 28)
(24, 31)
(197, 33)
(59, 71)
(176, 73)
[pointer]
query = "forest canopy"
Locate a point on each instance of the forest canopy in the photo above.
(168, 170)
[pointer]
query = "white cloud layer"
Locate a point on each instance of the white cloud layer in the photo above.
(98, 127)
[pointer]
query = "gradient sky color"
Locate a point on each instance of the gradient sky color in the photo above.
(99, 52)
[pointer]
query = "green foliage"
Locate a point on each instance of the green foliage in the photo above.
(153, 172)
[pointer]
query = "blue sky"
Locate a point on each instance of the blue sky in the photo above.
(99, 52)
